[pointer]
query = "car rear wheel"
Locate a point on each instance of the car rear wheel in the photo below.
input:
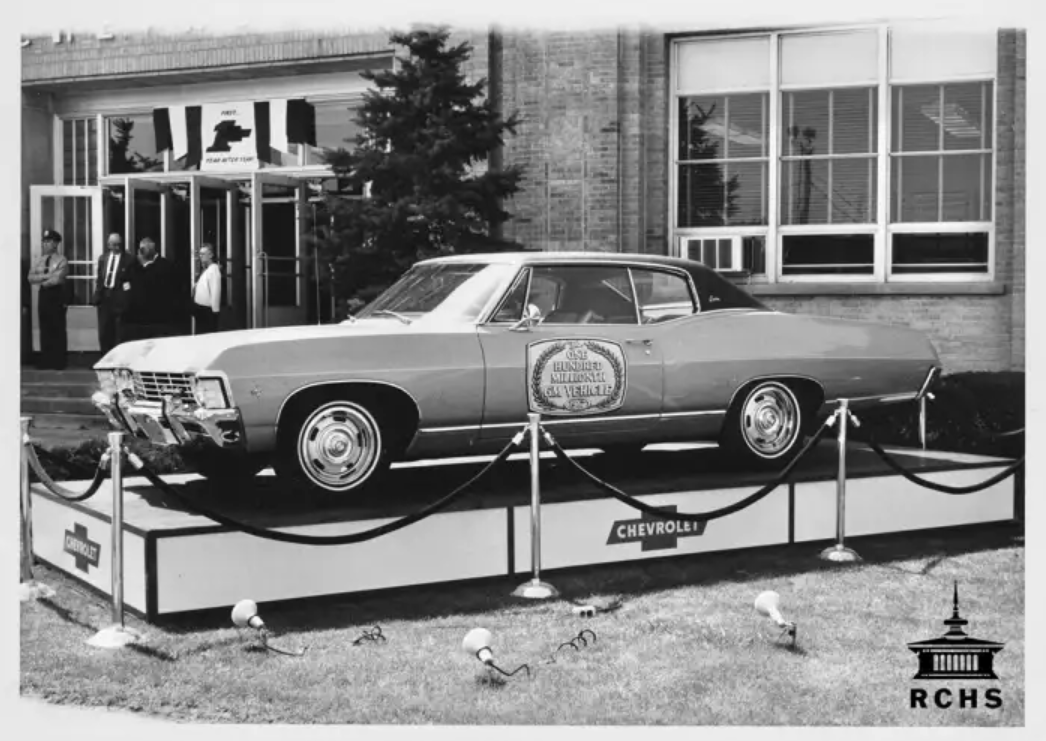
(335, 446)
(764, 428)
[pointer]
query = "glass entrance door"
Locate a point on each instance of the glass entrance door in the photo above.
(76, 214)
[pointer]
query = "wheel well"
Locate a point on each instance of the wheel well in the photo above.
(393, 407)
(808, 392)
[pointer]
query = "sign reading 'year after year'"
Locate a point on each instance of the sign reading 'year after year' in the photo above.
(575, 376)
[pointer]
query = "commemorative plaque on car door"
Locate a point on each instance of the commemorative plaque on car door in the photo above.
(575, 376)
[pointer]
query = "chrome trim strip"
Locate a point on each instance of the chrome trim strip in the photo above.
(882, 398)
(569, 420)
(694, 414)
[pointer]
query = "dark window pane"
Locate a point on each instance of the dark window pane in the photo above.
(511, 309)
(132, 145)
(702, 124)
(587, 295)
(745, 193)
(746, 132)
(915, 187)
(936, 253)
(855, 121)
(916, 117)
(806, 123)
(753, 255)
(68, 158)
(729, 193)
(804, 191)
(964, 178)
(336, 127)
(92, 152)
(967, 116)
(852, 192)
(662, 296)
(828, 254)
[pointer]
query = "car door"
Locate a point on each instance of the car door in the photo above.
(589, 367)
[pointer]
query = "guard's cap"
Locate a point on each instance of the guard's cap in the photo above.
(52, 235)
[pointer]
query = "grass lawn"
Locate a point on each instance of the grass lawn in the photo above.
(685, 647)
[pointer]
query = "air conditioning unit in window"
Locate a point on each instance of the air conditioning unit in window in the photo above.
(718, 253)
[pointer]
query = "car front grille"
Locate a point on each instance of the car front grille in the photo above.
(150, 386)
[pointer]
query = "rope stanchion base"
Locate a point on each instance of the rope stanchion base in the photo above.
(839, 553)
(30, 591)
(115, 636)
(536, 589)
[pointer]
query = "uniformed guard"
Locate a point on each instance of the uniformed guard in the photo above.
(50, 273)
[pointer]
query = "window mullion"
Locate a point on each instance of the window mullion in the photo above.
(884, 120)
(772, 252)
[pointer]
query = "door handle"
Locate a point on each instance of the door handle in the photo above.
(645, 343)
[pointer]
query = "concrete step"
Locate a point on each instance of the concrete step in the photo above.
(72, 375)
(39, 405)
(69, 422)
(58, 389)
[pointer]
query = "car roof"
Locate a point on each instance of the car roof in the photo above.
(537, 256)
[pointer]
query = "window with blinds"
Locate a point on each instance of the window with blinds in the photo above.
(722, 160)
(829, 140)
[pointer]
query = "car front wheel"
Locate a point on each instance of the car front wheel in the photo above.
(764, 429)
(336, 446)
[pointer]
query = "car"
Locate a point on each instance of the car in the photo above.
(612, 350)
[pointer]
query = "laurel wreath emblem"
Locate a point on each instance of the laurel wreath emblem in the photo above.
(545, 404)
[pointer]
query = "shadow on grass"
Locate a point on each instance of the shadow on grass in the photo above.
(623, 581)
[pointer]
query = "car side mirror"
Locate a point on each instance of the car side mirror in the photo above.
(531, 317)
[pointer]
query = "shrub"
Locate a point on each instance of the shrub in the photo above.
(967, 414)
(80, 462)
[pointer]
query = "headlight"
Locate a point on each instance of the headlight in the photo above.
(209, 393)
(107, 380)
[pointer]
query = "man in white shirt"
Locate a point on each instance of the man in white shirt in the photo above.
(112, 292)
(207, 296)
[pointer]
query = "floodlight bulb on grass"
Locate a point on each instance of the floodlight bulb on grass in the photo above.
(477, 643)
(769, 604)
(245, 615)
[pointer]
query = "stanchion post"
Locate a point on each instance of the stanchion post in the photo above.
(28, 588)
(116, 635)
(922, 418)
(839, 553)
(535, 588)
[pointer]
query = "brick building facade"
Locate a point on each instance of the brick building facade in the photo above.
(603, 115)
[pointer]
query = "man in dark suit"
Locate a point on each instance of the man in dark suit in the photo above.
(156, 300)
(112, 292)
(50, 273)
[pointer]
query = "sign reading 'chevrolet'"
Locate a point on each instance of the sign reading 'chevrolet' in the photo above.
(655, 533)
(83, 550)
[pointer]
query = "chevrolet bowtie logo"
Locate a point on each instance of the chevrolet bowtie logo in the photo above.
(83, 550)
(655, 533)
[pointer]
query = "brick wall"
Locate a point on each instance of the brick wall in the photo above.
(585, 139)
(141, 54)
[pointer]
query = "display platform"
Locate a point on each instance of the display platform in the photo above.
(176, 561)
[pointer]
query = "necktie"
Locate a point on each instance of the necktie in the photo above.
(110, 272)
(47, 263)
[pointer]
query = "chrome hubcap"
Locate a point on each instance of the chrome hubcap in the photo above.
(770, 420)
(339, 446)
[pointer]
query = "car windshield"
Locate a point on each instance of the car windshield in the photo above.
(446, 290)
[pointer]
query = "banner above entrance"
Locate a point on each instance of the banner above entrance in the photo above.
(234, 136)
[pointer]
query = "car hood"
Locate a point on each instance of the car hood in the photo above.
(195, 353)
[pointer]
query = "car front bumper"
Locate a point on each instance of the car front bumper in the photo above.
(172, 422)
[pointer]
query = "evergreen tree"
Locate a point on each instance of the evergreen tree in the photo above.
(425, 137)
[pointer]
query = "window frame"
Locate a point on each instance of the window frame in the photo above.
(883, 228)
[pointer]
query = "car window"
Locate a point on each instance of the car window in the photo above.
(662, 295)
(583, 294)
(511, 309)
